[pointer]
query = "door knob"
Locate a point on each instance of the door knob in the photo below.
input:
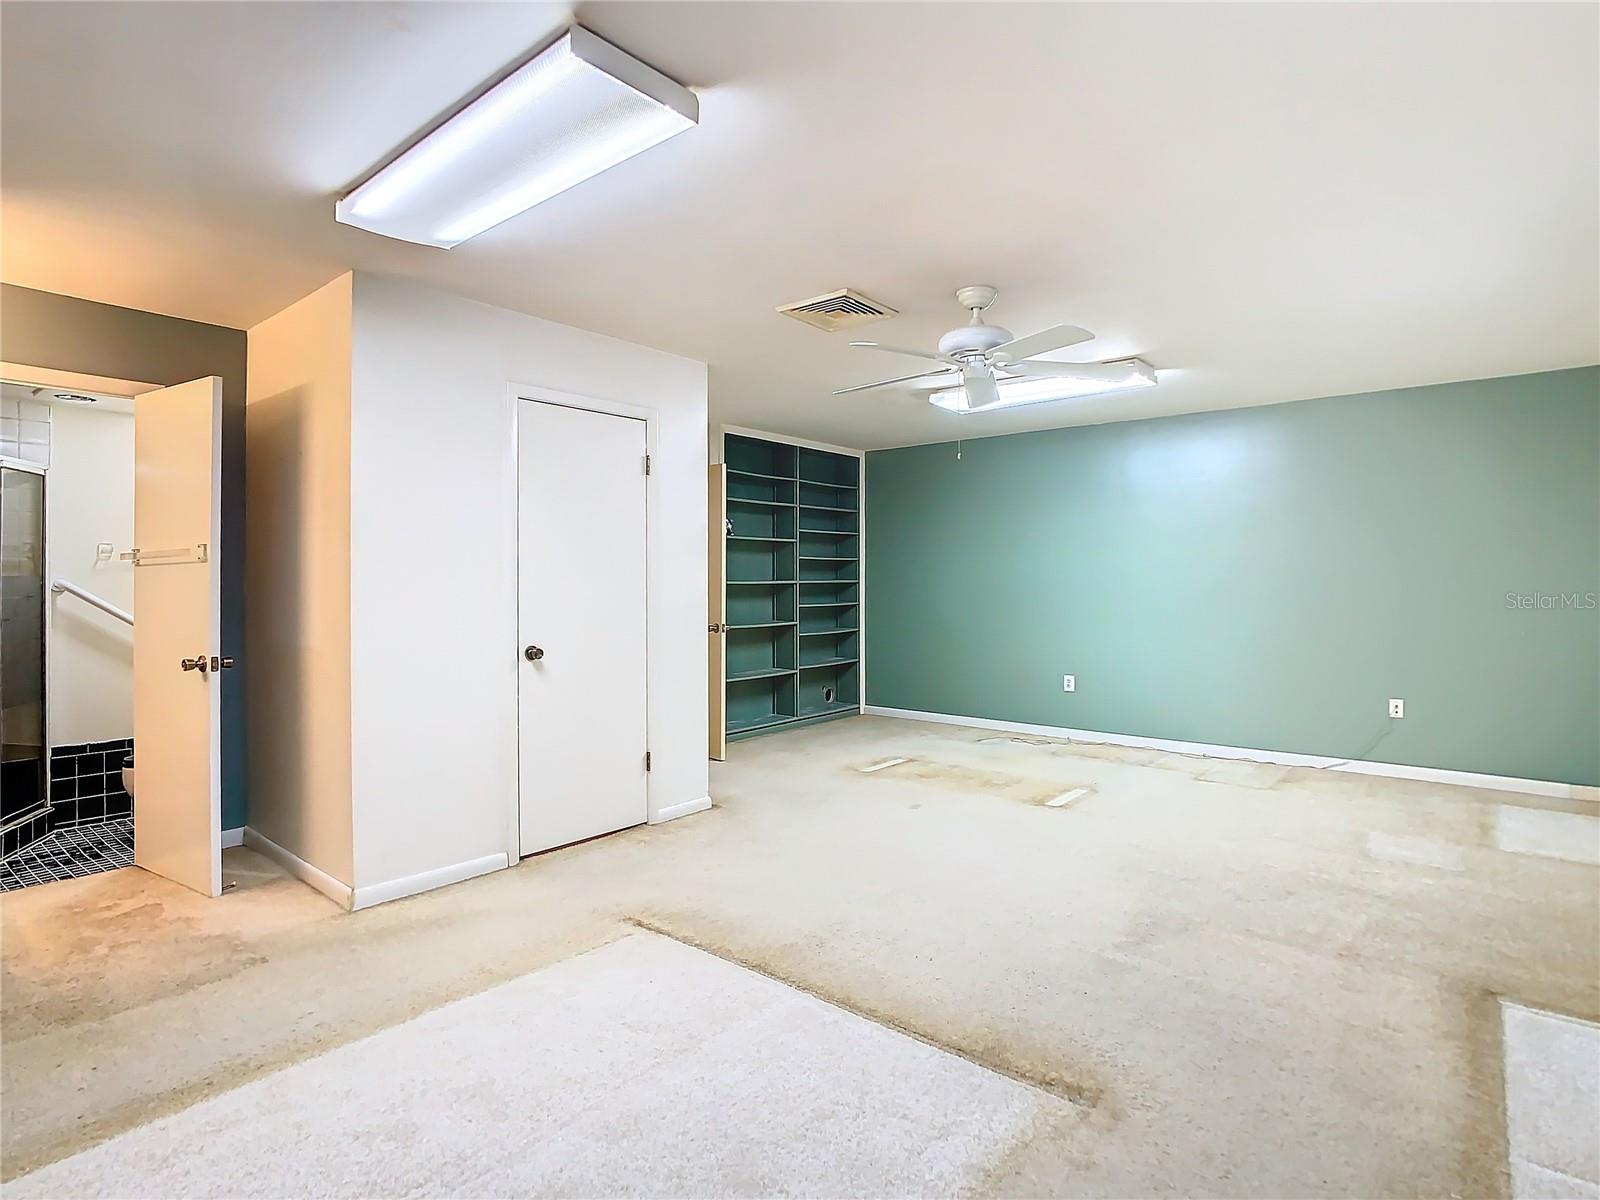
(532, 653)
(194, 664)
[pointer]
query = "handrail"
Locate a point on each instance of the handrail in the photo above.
(61, 585)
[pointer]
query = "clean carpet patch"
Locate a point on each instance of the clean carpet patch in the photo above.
(642, 1068)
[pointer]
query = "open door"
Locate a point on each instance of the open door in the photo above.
(717, 609)
(177, 652)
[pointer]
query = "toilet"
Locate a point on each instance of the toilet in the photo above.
(127, 775)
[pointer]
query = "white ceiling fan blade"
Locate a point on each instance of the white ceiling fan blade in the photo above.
(1111, 372)
(979, 385)
(1057, 337)
(938, 358)
(929, 374)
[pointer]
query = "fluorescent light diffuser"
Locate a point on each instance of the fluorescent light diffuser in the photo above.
(1014, 393)
(575, 109)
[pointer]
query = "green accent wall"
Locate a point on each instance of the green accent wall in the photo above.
(1263, 577)
(64, 333)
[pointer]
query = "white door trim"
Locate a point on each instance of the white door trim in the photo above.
(516, 395)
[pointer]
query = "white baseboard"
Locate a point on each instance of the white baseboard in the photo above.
(330, 887)
(425, 881)
(232, 837)
(673, 811)
(1500, 783)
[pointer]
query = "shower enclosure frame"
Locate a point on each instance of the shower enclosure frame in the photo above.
(42, 806)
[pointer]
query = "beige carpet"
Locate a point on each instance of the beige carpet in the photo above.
(644, 1068)
(1235, 986)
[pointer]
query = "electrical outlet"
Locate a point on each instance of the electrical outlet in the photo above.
(1397, 709)
(1069, 683)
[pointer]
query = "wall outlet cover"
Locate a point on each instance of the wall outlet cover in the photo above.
(1069, 683)
(1397, 709)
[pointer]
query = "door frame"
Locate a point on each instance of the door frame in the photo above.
(106, 385)
(518, 394)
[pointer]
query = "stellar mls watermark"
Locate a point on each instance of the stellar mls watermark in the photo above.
(1552, 601)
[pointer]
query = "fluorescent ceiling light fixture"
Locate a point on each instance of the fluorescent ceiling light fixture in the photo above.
(574, 110)
(1129, 374)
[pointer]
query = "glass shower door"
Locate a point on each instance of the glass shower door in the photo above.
(22, 600)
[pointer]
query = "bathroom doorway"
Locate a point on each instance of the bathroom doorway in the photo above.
(109, 509)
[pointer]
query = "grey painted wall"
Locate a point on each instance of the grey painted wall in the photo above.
(1264, 577)
(41, 329)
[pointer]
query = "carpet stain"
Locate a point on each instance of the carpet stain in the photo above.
(1072, 1086)
(970, 779)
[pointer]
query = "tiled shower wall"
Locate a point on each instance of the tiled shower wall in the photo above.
(86, 783)
(25, 430)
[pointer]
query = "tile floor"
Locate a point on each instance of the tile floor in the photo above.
(70, 854)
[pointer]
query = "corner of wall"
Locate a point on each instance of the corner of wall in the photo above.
(297, 418)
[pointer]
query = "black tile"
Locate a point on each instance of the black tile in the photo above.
(8, 843)
(91, 763)
(63, 789)
(64, 812)
(78, 749)
(92, 808)
(119, 805)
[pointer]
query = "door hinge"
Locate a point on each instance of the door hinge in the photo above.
(647, 760)
(647, 464)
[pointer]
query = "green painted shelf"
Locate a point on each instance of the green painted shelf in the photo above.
(838, 706)
(773, 673)
(764, 689)
(766, 720)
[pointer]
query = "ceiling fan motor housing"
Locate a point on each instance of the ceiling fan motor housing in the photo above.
(973, 339)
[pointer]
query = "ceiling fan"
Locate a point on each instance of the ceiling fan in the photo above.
(977, 357)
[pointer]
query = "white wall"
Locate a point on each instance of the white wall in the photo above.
(297, 578)
(433, 577)
(89, 499)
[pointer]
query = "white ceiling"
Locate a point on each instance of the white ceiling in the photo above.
(55, 397)
(1268, 202)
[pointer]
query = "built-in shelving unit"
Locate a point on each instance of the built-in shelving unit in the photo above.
(793, 584)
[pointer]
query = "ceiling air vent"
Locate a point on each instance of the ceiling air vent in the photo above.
(843, 309)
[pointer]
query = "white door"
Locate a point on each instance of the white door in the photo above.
(581, 623)
(177, 609)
